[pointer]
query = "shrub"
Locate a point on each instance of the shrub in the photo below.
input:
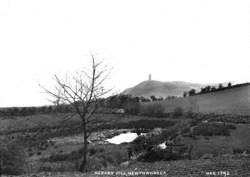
(92, 151)
(142, 143)
(160, 155)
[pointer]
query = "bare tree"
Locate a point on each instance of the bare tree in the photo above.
(82, 91)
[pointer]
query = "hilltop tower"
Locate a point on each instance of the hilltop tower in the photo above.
(149, 77)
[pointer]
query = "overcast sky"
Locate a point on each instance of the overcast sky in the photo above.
(204, 41)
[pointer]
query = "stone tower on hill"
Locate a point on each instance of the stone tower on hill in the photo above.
(149, 77)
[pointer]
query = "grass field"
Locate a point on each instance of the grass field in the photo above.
(230, 101)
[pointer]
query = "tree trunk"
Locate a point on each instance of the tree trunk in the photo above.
(85, 150)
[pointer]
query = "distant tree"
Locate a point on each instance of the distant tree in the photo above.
(213, 88)
(192, 92)
(120, 101)
(208, 88)
(220, 86)
(142, 99)
(153, 98)
(137, 99)
(202, 90)
(229, 84)
(160, 98)
(185, 94)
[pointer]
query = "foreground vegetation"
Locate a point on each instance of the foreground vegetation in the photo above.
(212, 136)
(236, 167)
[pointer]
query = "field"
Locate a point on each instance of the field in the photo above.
(230, 101)
(52, 143)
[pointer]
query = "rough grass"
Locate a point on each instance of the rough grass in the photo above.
(111, 156)
(143, 123)
(231, 101)
(156, 110)
(196, 168)
(100, 156)
(239, 139)
(213, 129)
(227, 118)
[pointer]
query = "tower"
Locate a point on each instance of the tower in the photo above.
(149, 77)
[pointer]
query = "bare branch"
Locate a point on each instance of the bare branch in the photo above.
(82, 91)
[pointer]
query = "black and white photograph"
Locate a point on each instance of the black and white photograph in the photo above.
(125, 88)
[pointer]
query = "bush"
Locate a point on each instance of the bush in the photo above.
(142, 143)
(158, 155)
(152, 109)
(92, 151)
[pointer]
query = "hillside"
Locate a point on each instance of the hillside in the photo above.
(229, 101)
(163, 89)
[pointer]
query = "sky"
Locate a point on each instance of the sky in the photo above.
(200, 41)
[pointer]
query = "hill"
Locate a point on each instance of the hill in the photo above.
(162, 89)
(230, 101)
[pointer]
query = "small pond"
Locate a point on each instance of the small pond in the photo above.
(123, 138)
(111, 136)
